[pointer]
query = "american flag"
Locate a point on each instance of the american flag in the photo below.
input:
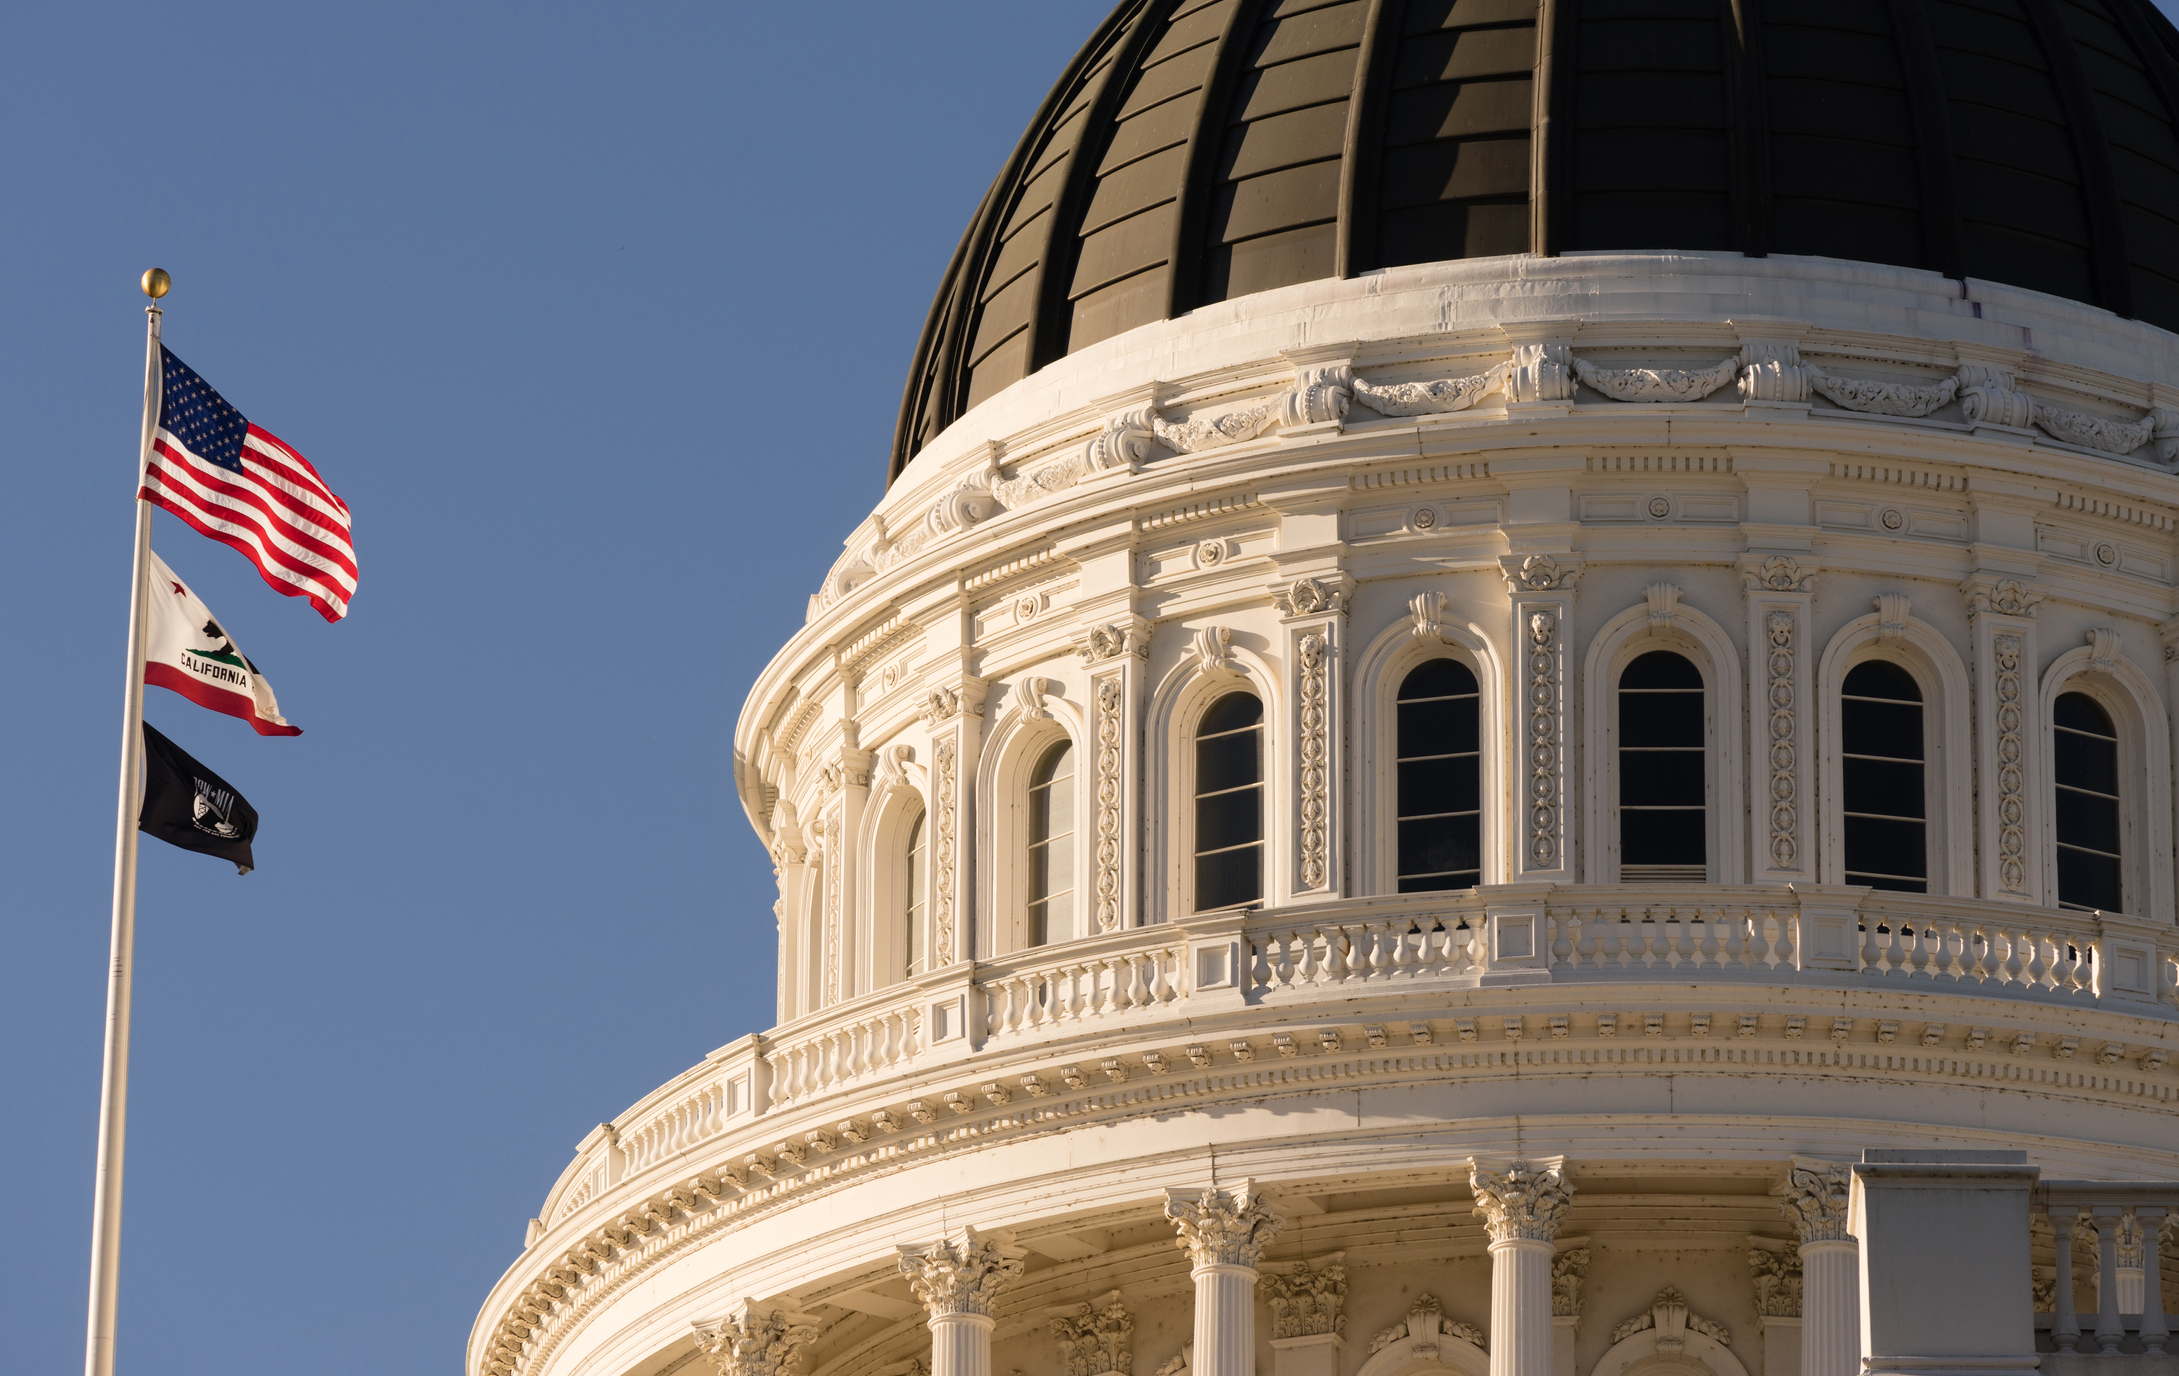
(241, 486)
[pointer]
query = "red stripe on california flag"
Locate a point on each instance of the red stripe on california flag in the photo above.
(248, 499)
(218, 699)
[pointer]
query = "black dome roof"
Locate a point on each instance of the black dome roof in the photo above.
(1198, 150)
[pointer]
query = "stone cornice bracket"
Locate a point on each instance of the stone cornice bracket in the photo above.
(1568, 1270)
(1664, 603)
(1526, 1200)
(1307, 1301)
(2103, 645)
(1542, 371)
(1112, 640)
(1990, 396)
(2004, 596)
(1213, 649)
(969, 503)
(1893, 610)
(1223, 1227)
(1320, 394)
(2165, 433)
(962, 1274)
(1124, 442)
(1034, 692)
(1095, 1338)
(756, 1340)
(1814, 1196)
(1427, 610)
(895, 763)
(1777, 1280)
(946, 703)
(1313, 596)
(1770, 363)
(1776, 573)
(1538, 573)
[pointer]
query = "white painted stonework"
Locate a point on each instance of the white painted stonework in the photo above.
(1756, 1123)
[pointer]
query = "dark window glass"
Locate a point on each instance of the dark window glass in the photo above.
(1051, 843)
(2085, 750)
(1439, 765)
(1663, 774)
(1881, 768)
(1229, 820)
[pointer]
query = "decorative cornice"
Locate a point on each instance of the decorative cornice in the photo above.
(962, 1274)
(1526, 1200)
(1223, 1227)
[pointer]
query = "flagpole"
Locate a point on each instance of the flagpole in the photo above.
(113, 1096)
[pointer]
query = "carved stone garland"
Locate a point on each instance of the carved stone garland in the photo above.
(1315, 809)
(946, 770)
(756, 1341)
(1305, 1301)
(2012, 832)
(1543, 750)
(1785, 819)
(1098, 1338)
(1111, 733)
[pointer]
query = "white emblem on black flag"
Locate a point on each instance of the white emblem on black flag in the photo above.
(189, 806)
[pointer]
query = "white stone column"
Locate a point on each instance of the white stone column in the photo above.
(1815, 1196)
(1521, 1205)
(756, 1340)
(957, 1279)
(1224, 1233)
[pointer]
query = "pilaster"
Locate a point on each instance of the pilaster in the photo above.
(1781, 729)
(1115, 654)
(1305, 1317)
(1313, 612)
(954, 717)
(2008, 810)
(1541, 589)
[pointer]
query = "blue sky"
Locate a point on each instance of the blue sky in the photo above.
(598, 318)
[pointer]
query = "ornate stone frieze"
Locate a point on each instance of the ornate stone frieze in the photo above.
(1814, 1196)
(1216, 432)
(1883, 398)
(1778, 573)
(1097, 1338)
(1313, 692)
(1431, 398)
(1306, 1300)
(2094, 432)
(2005, 596)
(1525, 1200)
(1313, 596)
(756, 1340)
(1673, 1320)
(1111, 711)
(1568, 1269)
(1539, 573)
(2012, 806)
(1101, 643)
(1783, 762)
(1542, 675)
(944, 787)
(962, 1274)
(1657, 384)
(1425, 1324)
(1777, 1280)
(1223, 1227)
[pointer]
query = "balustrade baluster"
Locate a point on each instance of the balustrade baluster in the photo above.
(1136, 995)
(1335, 954)
(1259, 969)
(1707, 948)
(2038, 961)
(1283, 968)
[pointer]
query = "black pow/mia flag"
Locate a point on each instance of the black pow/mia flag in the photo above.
(189, 806)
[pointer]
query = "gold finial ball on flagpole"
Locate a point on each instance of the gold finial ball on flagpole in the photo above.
(156, 283)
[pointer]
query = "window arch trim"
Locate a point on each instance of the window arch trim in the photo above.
(1182, 694)
(2145, 802)
(1018, 739)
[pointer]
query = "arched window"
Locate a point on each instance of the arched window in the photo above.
(918, 859)
(1884, 803)
(1440, 786)
(1051, 844)
(2085, 751)
(1663, 775)
(1229, 803)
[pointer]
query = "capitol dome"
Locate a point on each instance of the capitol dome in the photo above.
(1200, 150)
(1510, 714)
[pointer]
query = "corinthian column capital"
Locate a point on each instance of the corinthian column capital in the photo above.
(1222, 1227)
(756, 1340)
(1526, 1199)
(962, 1274)
(1814, 1196)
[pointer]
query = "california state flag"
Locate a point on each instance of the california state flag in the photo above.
(189, 653)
